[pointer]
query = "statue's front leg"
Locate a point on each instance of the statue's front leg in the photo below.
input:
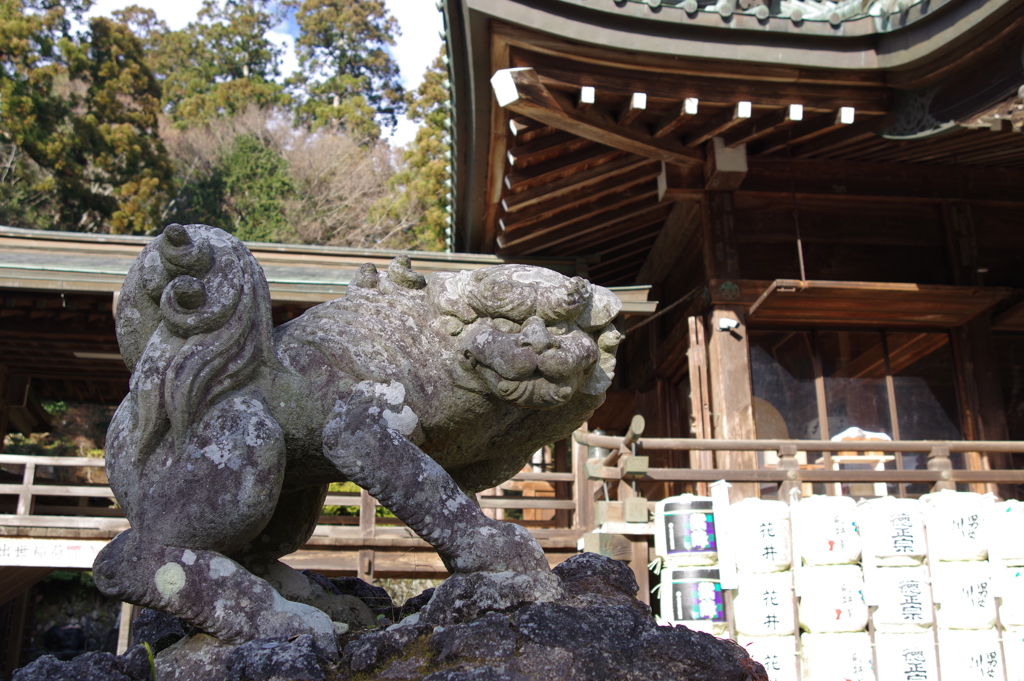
(364, 439)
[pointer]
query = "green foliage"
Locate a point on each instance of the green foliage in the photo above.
(347, 77)
(126, 126)
(257, 184)
(350, 488)
(81, 110)
(55, 407)
(423, 180)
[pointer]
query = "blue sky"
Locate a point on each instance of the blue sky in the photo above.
(416, 47)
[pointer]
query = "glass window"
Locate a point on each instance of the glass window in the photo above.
(898, 384)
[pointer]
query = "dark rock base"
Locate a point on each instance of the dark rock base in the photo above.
(597, 631)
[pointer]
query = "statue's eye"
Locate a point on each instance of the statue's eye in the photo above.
(505, 325)
(559, 328)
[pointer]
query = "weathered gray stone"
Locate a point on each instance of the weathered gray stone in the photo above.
(86, 667)
(475, 674)
(488, 638)
(278, 659)
(606, 636)
(421, 392)
(158, 629)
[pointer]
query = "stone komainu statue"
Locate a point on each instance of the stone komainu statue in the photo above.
(421, 392)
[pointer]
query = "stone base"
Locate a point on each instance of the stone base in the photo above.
(596, 629)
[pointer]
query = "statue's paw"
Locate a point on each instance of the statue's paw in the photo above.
(288, 618)
(464, 597)
(499, 547)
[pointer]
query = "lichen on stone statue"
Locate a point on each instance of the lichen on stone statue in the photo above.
(421, 391)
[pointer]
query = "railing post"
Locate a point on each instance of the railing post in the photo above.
(25, 501)
(938, 460)
(788, 463)
(367, 514)
(584, 518)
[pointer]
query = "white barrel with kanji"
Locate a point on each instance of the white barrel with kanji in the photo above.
(907, 656)
(832, 599)
(693, 596)
(760, 535)
(825, 530)
(763, 604)
(956, 523)
(963, 593)
(892, 531)
(777, 654)
(837, 657)
(904, 598)
(1008, 584)
(970, 655)
(684, 530)
(1013, 648)
(1006, 533)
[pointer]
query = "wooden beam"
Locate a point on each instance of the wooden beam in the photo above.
(573, 183)
(756, 128)
(545, 149)
(588, 95)
(797, 133)
(721, 253)
(676, 117)
(580, 203)
(872, 180)
(605, 204)
(726, 167)
(682, 223)
(719, 124)
(521, 90)
(559, 168)
(547, 241)
(637, 106)
(848, 134)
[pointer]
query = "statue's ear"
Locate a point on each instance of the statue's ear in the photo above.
(601, 309)
(446, 292)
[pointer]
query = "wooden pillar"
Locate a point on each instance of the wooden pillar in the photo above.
(732, 414)
(16, 624)
(3, 405)
(981, 398)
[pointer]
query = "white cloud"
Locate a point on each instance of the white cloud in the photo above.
(416, 47)
(177, 14)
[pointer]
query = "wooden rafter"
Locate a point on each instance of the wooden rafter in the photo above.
(796, 133)
(545, 148)
(546, 241)
(556, 169)
(610, 202)
(718, 124)
(572, 183)
(847, 134)
(520, 90)
(600, 240)
(762, 126)
(580, 199)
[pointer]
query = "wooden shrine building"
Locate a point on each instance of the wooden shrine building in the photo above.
(826, 198)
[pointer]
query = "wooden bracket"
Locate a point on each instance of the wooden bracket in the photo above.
(521, 90)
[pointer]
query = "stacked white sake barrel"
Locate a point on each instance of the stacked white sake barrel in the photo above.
(686, 539)
(759, 533)
(898, 582)
(963, 584)
(1006, 557)
(830, 589)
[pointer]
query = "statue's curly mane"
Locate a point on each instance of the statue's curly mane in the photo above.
(214, 327)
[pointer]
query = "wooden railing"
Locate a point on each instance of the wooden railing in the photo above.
(31, 508)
